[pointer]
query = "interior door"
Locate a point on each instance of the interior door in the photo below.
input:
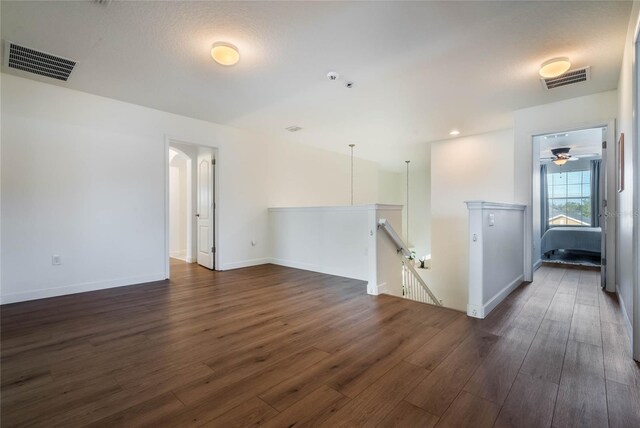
(205, 213)
(603, 214)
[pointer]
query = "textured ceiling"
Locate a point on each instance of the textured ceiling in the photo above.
(420, 68)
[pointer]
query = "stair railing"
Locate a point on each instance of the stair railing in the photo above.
(413, 286)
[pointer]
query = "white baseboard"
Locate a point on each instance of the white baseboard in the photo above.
(627, 320)
(245, 263)
(180, 254)
(481, 312)
(382, 289)
(79, 288)
(315, 268)
(537, 264)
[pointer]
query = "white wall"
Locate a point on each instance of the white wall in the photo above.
(339, 240)
(496, 254)
(331, 240)
(391, 187)
(627, 201)
(301, 175)
(463, 169)
(84, 177)
(419, 209)
(393, 190)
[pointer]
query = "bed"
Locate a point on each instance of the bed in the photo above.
(573, 238)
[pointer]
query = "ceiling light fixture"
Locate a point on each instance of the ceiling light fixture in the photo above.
(560, 162)
(225, 53)
(554, 67)
(454, 132)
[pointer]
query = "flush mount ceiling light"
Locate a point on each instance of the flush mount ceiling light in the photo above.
(554, 67)
(454, 132)
(225, 53)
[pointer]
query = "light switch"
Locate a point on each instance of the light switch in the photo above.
(492, 219)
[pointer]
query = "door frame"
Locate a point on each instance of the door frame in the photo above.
(168, 139)
(610, 124)
(635, 142)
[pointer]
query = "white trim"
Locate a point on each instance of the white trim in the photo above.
(313, 268)
(635, 142)
(537, 265)
(627, 320)
(369, 207)
(180, 254)
(245, 263)
(167, 226)
(79, 288)
(495, 300)
(381, 289)
(480, 205)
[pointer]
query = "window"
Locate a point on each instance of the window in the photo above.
(569, 196)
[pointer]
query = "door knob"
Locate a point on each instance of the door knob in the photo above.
(197, 215)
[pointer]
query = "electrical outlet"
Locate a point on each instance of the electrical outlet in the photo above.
(55, 260)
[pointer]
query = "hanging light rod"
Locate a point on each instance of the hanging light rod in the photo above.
(407, 162)
(352, 146)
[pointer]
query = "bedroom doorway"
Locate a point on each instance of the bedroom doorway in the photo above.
(570, 193)
(191, 217)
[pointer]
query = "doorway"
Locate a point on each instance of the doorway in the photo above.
(570, 197)
(180, 205)
(191, 217)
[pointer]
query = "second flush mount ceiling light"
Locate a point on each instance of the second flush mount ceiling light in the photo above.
(554, 67)
(225, 53)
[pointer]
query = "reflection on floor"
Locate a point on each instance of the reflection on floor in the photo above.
(280, 347)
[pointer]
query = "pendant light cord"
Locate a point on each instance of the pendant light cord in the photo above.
(407, 202)
(352, 146)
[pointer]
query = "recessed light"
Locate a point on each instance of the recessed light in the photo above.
(225, 53)
(454, 132)
(554, 67)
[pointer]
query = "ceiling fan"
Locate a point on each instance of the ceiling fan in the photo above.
(561, 156)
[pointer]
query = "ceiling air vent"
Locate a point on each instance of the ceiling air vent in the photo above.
(568, 78)
(33, 61)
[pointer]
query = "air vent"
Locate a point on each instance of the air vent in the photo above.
(568, 78)
(33, 61)
(293, 128)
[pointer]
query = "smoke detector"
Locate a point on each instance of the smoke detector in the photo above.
(332, 75)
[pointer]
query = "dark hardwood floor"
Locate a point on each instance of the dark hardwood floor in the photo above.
(281, 347)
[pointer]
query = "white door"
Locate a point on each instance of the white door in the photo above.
(603, 213)
(205, 212)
